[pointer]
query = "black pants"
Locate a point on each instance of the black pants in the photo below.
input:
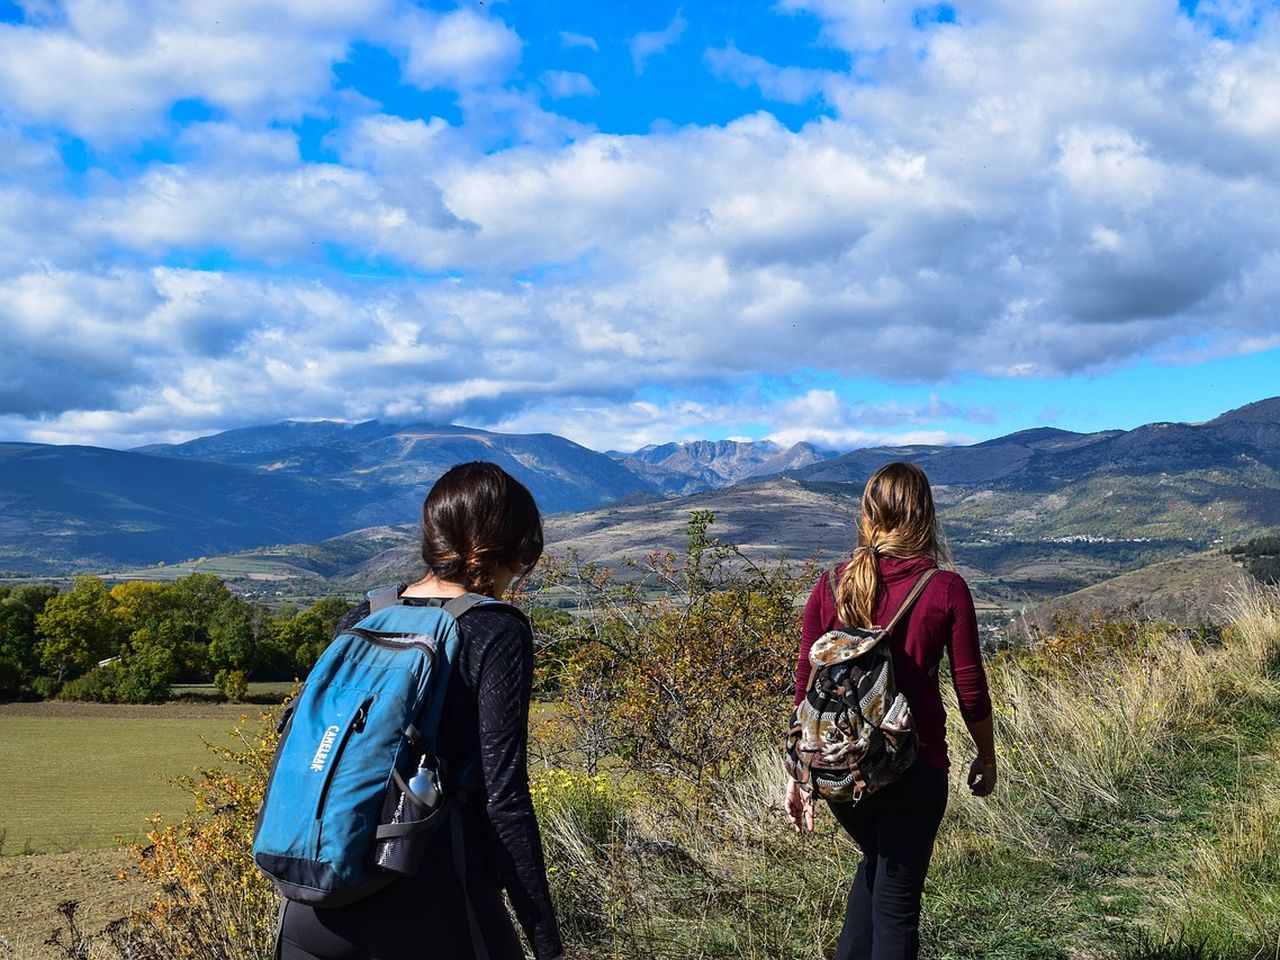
(424, 916)
(895, 828)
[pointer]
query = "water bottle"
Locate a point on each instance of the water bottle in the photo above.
(425, 783)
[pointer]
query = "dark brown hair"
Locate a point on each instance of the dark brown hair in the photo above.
(476, 520)
(897, 520)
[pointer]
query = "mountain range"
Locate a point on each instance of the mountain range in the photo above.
(700, 465)
(1035, 512)
(65, 508)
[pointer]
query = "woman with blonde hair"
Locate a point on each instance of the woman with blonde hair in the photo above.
(899, 540)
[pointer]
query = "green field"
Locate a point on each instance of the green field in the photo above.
(79, 776)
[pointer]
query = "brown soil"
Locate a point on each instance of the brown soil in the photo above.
(112, 711)
(31, 888)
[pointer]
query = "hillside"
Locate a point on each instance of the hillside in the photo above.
(1242, 444)
(766, 520)
(68, 508)
(717, 463)
(73, 507)
(1188, 590)
(385, 469)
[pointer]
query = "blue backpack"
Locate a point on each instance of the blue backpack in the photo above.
(345, 811)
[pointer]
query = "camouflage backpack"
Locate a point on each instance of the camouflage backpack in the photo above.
(853, 732)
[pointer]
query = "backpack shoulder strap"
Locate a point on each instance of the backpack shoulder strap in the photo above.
(384, 597)
(917, 588)
(457, 606)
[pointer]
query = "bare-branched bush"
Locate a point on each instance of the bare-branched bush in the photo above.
(677, 669)
(209, 901)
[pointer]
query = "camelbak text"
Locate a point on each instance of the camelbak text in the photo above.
(322, 752)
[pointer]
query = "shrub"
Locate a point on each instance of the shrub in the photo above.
(45, 686)
(210, 902)
(232, 684)
(96, 686)
(10, 674)
(677, 671)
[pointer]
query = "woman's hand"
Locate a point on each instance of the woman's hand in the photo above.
(982, 772)
(799, 807)
(982, 775)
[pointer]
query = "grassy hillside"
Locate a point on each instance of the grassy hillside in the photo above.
(1137, 817)
(1197, 506)
(289, 572)
(1190, 590)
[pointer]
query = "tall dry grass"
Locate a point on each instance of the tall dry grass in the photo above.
(1090, 728)
(1229, 880)
(1093, 732)
(1085, 724)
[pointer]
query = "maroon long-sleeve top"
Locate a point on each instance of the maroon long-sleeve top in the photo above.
(943, 619)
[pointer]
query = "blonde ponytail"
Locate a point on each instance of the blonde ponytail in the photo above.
(897, 520)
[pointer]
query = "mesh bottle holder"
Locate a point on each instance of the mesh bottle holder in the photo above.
(405, 827)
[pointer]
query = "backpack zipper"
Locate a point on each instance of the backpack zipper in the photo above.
(379, 639)
(355, 725)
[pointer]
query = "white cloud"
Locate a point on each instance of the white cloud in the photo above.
(649, 44)
(254, 62)
(1018, 195)
(570, 40)
(823, 418)
(564, 83)
(458, 49)
(818, 417)
(783, 84)
(857, 25)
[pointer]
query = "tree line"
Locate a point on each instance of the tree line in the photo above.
(130, 643)
(1261, 557)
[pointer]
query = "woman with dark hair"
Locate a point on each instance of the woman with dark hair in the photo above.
(895, 826)
(481, 531)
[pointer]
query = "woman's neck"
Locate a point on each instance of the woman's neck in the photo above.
(433, 586)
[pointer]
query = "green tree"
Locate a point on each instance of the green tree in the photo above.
(157, 618)
(303, 634)
(141, 604)
(149, 664)
(196, 601)
(19, 607)
(78, 629)
(236, 629)
(330, 610)
(308, 632)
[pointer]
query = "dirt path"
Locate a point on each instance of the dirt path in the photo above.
(32, 887)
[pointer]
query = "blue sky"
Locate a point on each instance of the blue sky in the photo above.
(845, 221)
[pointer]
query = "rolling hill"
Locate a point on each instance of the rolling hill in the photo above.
(67, 508)
(1031, 515)
(1190, 590)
